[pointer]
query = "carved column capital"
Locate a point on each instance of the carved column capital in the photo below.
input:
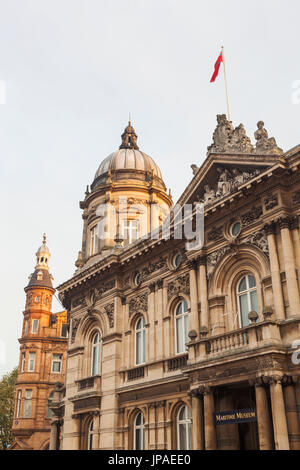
(152, 287)
(270, 228)
(284, 222)
(204, 390)
(192, 263)
(294, 223)
(273, 379)
(202, 260)
(123, 300)
(160, 283)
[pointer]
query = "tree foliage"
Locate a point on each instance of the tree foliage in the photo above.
(7, 401)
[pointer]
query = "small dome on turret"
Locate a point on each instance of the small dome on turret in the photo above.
(41, 276)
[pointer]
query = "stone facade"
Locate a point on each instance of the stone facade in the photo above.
(239, 297)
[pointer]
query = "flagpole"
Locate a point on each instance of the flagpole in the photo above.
(226, 85)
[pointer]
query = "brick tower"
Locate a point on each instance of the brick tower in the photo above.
(42, 358)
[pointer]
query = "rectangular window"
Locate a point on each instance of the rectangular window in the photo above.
(23, 362)
(57, 363)
(131, 230)
(93, 241)
(26, 327)
(19, 401)
(64, 330)
(35, 326)
(31, 362)
(27, 404)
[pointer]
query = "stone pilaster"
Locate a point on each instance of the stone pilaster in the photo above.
(291, 412)
(210, 438)
(197, 420)
(290, 268)
(194, 318)
(281, 437)
(204, 317)
(264, 422)
(275, 271)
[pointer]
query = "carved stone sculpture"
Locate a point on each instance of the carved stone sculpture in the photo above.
(195, 169)
(222, 135)
(240, 142)
(264, 144)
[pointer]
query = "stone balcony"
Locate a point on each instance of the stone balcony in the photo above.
(269, 333)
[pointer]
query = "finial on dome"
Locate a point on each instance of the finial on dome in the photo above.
(129, 138)
(44, 239)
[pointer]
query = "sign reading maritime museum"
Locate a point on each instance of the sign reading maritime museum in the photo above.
(235, 416)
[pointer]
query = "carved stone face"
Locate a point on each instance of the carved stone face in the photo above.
(260, 124)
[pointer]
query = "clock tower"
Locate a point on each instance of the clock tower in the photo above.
(42, 358)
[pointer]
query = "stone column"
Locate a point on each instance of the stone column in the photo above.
(290, 268)
(160, 425)
(291, 412)
(159, 319)
(197, 420)
(77, 432)
(53, 435)
(296, 243)
(297, 393)
(194, 319)
(209, 424)
(275, 271)
(204, 318)
(265, 432)
(281, 437)
(151, 311)
(152, 426)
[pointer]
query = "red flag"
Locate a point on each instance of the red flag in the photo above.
(217, 67)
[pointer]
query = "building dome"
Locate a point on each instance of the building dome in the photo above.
(128, 163)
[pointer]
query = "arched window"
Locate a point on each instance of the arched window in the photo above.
(181, 326)
(90, 436)
(139, 432)
(247, 298)
(184, 429)
(96, 352)
(140, 341)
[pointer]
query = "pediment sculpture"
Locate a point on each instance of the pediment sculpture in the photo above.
(229, 180)
(227, 139)
(264, 144)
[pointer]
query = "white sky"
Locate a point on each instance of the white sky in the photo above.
(74, 69)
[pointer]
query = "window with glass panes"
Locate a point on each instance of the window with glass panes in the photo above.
(140, 341)
(56, 363)
(19, 401)
(181, 326)
(131, 230)
(27, 403)
(93, 241)
(31, 362)
(247, 298)
(96, 352)
(184, 429)
(139, 432)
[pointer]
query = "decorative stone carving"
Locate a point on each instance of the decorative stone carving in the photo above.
(139, 303)
(153, 267)
(259, 239)
(104, 288)
(110, 309)
(240, 142)
(226, 139)
(222, 135)
(215, 234)
(296, 197)
(79, 301)
(271, 201)
(214, 258)
(264, 144)
(179, 285)
(250, 217)
(75, 324)
(195, 169)
(229, 181)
